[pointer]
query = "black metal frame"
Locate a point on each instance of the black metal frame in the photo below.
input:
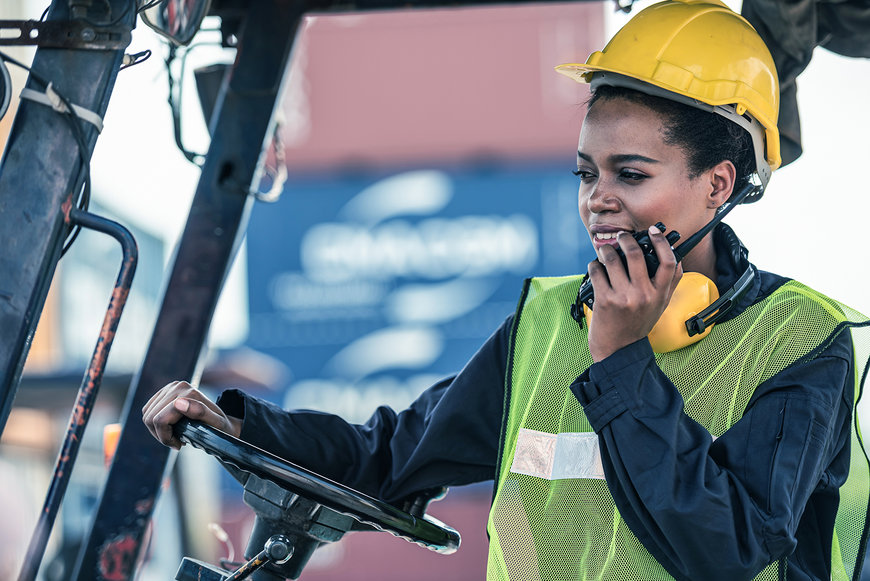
(39, 173)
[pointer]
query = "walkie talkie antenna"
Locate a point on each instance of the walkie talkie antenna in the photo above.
(683, 249)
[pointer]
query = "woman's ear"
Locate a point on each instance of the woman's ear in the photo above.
(723, 177)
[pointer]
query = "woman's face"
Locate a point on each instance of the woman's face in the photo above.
(630, 178)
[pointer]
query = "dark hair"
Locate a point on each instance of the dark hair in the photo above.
(705, 137)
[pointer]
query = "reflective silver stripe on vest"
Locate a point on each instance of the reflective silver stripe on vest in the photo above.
(557, 456)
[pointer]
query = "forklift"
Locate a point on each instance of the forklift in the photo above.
(44, 203)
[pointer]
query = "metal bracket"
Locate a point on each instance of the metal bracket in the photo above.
(76, 34)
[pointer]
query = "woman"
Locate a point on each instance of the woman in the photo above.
(617, 454)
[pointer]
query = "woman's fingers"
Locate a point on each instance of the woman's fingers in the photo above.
(616, 271)
(179, 400)
(162, 422)
(669, 271)
(171, 403)
(201, 409)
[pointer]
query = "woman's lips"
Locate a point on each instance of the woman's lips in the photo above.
(600, 239)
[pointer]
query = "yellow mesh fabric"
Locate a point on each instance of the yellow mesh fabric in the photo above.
(570, 528)
(850, 529)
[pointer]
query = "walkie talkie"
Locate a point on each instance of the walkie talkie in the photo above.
(586, 295)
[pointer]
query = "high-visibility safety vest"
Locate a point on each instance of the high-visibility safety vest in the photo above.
(552, 516)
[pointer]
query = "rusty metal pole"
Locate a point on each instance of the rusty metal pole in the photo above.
(87, 392)
(215, 227)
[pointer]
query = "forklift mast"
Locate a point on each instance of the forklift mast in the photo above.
(41, 173)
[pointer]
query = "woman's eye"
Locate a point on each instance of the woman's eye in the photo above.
(632, 176)
(583, 174)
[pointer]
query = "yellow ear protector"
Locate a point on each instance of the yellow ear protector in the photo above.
(694, 307)
(695, 304)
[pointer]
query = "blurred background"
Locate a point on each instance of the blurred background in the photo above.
(429, 157)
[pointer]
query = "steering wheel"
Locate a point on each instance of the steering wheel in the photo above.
(424, 531)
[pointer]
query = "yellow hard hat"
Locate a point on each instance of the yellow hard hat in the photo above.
(699, 52)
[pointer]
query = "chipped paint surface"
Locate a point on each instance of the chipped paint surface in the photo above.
(65, 207)
(116, 558)
(144, 506)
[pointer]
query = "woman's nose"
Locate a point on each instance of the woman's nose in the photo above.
(600, 198)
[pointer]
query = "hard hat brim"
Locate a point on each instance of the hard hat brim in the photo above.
(584, 73)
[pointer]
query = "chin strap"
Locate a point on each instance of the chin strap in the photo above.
(720, 307)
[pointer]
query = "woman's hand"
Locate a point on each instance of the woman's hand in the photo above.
(629, 303)
(177, 400)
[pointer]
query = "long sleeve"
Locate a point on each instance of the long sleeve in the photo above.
(448, 436)
(724, 509)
